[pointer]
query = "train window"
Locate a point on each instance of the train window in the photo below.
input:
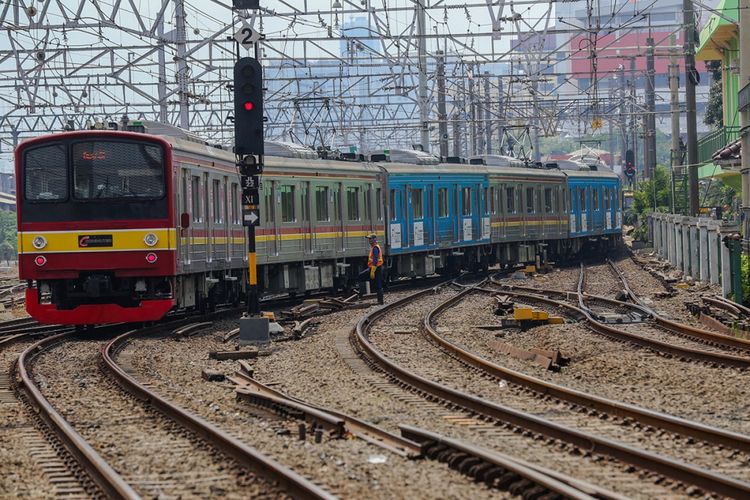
(104, 169)
(466, 200)
(607, 199)
(196, 198)
(268, 200)
(217, 201)
(45, 174)
(510, 200)
(491, 201)
(595, 198)
(548, 202)
(368, 202)
(287, 203)
(529, 200)
(336, 196)
(416, 203)
(379, 203)
(234, 201)
(306, 202)
(581, 199)
(321, 203)
(393, 205)
(443, 202)
(352, 203)
(538, 200)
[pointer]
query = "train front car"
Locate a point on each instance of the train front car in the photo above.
(96, 237)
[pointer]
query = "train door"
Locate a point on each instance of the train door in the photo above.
(443, 220)
(307, 220)
(416, 216)
(429, 215)
(226, 223)
(477, 211)
(577, 204)
(184, 234)
(394, 225)
(272, 247)
(458, 211)
(408, 205)
(338, 215)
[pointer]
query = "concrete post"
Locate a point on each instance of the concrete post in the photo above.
(677, 244)
(726, 267)
(703, 249)
(694, 251)
(713, 252)
(672, 245)
(686, 245)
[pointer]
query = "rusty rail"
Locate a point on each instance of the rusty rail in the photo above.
(633, 338)
(337, 421)
(103, 475)
(489, 465)
(615, 408)
(687, 473)
(251, 458)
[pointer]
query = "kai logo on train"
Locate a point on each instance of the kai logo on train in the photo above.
(94, 240)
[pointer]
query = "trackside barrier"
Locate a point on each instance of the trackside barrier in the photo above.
(695, 246)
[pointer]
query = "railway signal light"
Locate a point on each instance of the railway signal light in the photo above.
(248, 107)
(629, 163)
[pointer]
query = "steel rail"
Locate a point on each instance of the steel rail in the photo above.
(680, 328)
(687, 473)
(615, 408)
(434, 445)
(251, 458)
(105, 477)
(338, 421)
(612, 332)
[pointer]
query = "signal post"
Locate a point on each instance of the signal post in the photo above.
(249, 151)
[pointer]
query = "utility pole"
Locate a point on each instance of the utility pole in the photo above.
(479, 124)
(691, 80)
(622, 124)
(458, 112)
(633, 121)
(744, 8)
(535, 115)
(182, 69)
(500, 115)
(472, 113)
(161, 89)
(424, 109)
(674, 101)
(487, 113)
(650, 121)
(442, 114)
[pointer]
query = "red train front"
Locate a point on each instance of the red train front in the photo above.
(96, 228)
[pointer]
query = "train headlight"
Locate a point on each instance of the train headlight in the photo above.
(151, 239)
(151, 257)
(40, 260)
(39, 242)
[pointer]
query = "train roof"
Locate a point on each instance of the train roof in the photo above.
(465, 168)
(602, 173)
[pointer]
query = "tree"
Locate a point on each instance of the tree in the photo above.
(714, 115)
(653, 195)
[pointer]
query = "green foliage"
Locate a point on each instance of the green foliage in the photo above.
(654, 195)
(8, 235)
(714, 114)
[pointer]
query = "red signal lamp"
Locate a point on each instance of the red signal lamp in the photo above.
(249, 106)
(40, 260)
(151, 258)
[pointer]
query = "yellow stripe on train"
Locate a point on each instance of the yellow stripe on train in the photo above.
(95, 241)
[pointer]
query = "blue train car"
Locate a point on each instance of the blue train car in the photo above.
(595, 203)
(437, 214)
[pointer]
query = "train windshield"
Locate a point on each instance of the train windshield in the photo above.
(107, 170)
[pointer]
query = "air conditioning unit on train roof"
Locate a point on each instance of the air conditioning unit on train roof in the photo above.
(158, 128)
(289, 150)
(497, 161)
(413, 156)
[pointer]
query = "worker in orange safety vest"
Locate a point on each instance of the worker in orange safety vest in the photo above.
(374, 269)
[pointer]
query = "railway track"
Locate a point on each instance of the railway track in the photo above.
(661, 335)
(144, 447)
(530, 424)
(38, 464)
